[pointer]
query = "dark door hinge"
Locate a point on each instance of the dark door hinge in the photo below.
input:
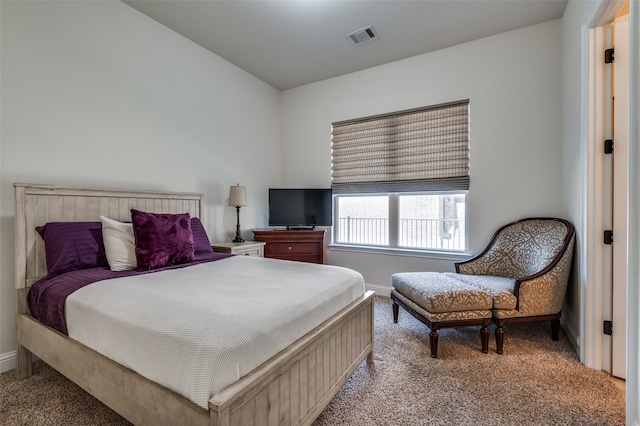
(608, 328)
(608, 146)
(608, 56)
(608, 236)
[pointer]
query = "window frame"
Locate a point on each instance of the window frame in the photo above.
(394, 228)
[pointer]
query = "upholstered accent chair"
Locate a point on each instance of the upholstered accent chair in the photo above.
(525, 268)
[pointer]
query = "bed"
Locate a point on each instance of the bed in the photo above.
(292, 387)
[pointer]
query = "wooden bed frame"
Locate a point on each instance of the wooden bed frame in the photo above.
(293, 387)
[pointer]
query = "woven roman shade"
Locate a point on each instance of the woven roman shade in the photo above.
(423, 149)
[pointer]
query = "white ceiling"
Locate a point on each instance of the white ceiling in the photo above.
(289, 43)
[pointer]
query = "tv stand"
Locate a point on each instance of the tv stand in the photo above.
(303, 245)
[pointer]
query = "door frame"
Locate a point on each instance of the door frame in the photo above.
(591, 295)
(633, 273)
(620, 191)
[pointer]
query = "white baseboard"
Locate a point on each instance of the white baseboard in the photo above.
(7, 361)
(569, 321)
(573, 336)
(379, 289)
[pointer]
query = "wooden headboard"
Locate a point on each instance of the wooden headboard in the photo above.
(36, 205)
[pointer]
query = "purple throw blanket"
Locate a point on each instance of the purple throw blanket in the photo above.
(47, 296)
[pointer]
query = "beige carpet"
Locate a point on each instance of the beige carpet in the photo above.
(536, 382)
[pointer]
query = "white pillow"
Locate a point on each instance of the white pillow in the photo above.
(119, 244)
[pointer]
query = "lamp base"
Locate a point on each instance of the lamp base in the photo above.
(238, 238)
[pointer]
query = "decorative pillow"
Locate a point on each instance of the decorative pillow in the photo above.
(162, 239)
(201, 243)
(119, 244)
(70, 246)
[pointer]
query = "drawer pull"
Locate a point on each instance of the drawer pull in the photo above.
(289, 247)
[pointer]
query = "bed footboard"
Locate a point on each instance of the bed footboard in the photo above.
(294, 387)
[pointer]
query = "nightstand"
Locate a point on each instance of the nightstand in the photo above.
(248, 248)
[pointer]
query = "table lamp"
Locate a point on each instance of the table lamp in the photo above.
(238, 198)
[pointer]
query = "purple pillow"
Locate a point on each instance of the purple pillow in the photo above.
(70, 246)
(162, 239)
(201, 243)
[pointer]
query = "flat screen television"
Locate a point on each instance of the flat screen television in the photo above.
(300, 208)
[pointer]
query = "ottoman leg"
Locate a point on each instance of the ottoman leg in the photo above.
(433, 342)
(395, 311)
(499, 336)
(484, 335)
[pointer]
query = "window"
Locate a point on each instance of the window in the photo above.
(362, 220)
(400, 180)
(425, 221)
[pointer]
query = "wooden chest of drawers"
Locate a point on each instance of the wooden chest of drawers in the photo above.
(302, 246)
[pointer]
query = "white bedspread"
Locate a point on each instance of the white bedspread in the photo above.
(198, 329)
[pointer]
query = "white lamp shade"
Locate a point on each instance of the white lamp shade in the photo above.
(237, 196)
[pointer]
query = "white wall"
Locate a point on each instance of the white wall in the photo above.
(513, 81)
(97, 94)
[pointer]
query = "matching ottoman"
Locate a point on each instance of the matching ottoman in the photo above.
(439, 302)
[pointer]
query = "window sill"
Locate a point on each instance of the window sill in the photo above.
(441, 255)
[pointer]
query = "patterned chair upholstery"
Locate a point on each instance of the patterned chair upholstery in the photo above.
(526, 269)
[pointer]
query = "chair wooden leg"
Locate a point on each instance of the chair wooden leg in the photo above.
(484, 336)
(395, 312)
(499, 336)
(433, 342)
(555, 329)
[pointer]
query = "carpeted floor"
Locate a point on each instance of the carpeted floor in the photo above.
(536, 382)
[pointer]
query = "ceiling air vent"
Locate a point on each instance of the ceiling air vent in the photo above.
(363, 35)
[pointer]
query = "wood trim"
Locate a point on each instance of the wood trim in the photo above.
(536, 318)
(633, 290)
(40, 189)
